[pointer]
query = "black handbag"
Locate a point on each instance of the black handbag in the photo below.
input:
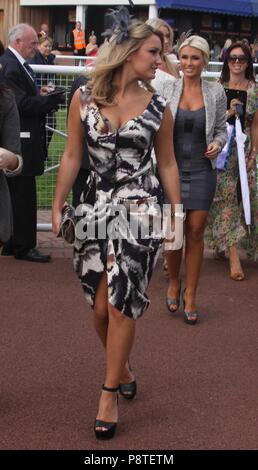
(6, 219)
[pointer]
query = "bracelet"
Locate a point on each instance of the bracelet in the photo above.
(253, 153)
(17, 169)
(180, 215)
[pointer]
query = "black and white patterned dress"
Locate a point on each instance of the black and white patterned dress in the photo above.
(122, 173)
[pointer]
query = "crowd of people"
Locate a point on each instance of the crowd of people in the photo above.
(142, 130)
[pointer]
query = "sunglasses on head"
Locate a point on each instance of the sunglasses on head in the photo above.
(242, 59)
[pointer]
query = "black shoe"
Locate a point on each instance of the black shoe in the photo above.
(109, 428)
(128, 390)
(34, 255)
(7, 252)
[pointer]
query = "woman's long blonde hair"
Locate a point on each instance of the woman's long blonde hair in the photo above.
(157, 23)
(111, 58)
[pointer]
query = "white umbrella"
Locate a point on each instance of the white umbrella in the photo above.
(240, 140)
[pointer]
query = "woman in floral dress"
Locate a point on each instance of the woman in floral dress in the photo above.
(226, 229)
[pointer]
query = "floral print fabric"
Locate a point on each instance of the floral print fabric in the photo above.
(226, 225)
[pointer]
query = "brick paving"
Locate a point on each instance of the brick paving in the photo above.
(197, 386)
(48, 243)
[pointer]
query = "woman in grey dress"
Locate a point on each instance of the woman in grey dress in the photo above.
(122, 119)
(198, 107)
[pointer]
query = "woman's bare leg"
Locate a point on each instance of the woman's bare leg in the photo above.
(101, 321)
(120, 337)
(174, 259)
(194, 245)
(100, 316)
(236, 271)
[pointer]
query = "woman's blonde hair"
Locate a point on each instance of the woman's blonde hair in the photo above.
(42, 39)
(199, 43)
(111, 58)
(158, 23)
(92, 35)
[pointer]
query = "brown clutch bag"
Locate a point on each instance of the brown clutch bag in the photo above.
(68, 223)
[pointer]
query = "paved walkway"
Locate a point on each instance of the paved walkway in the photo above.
(197, 385)
(48, 242)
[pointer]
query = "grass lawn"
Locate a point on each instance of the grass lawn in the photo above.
(47, 182)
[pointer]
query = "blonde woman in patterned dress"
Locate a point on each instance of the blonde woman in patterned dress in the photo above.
(226, 229)
(121, 121)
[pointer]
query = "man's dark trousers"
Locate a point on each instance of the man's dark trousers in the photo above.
(24, 203)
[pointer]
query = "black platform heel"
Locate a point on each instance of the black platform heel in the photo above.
(128, 390)
(110, 428)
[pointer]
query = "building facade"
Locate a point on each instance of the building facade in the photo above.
(61, 15)
(9, 15)
(12, 13)
(214, 19)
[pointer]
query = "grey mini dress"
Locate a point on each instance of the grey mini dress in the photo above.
(197, 177)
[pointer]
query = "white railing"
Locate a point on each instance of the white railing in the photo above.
(64, 76)
(75, 57)
(84, 58)
(71, 70)
(56, 69)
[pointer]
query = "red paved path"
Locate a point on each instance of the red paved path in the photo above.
(197, 385)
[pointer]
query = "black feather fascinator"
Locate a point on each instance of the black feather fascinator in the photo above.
(120, 22)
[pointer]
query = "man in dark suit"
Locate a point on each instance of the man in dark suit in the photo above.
(33, 104)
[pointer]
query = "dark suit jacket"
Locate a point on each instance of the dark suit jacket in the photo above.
(9, 139)
(39, 59)
(32, 110)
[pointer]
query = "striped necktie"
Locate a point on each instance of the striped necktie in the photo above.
(30, 71)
